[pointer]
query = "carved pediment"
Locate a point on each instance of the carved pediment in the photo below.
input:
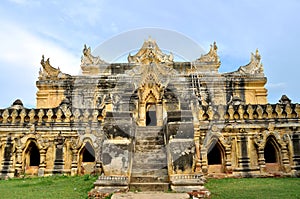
(150, 53)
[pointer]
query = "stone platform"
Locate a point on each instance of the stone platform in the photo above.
(152, 195)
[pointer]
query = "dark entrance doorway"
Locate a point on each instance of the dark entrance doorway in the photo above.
(270, 153)
(88, 154)
(272, 158)
(34, 155)
(151, 119)
(87, 159)
(215, 159)
(32, 159)
(214, 156)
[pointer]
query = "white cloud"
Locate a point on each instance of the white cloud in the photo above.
(83, 12)
(25, 2)
(279, 85)
(25, 49)
(19, 1)
(20, 57)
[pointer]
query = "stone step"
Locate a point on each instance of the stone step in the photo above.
(148, 147)
(150, 141)
(150, 194)
(161, 150)
(149, 178)
(142, 157)
(150, 165)
(149, 128)
(160, 173)
(140, 144)
(149, 136)
(154, 186)
(150, 162)
(155, 154)
(153, 166)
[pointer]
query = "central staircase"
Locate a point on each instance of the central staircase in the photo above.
(149, 167)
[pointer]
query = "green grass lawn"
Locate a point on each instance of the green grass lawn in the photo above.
(254, 188)
(79, 186)
(47, 187)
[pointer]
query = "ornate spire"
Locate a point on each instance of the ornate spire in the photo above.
(150, 53)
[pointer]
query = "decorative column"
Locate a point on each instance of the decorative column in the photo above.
(142, 114)
(6, 166)
(197, 146)
(243, 154)
(18, 167)
(228, 160)
(75, 144)
(227, 142)
(98, 169)
(44, 145)
(159, 114)
(74, 165)
(285, 160)
(98, 152)
(42, 165)
(296, 153)
(204, 161)
(198, 161)
(261, 159)
(59, 158)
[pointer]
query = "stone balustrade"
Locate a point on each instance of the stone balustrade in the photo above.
(249, 112)
(64, 115)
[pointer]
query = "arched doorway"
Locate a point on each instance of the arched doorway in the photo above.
(87, 159)
(215, 158)
(32, 159)
(151, 119)
(272, 155)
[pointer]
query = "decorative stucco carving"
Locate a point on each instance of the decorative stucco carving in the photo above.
(152, 82)
(89, 59)
(285, 100)
(211, 56)
(150, 53)
(254, 67)
(209, 62)
(49, 72)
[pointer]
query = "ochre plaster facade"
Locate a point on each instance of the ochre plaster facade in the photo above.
(151, 116)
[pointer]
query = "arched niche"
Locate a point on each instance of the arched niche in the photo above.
(272, 155)
(216, 157)
(150, 111)
(151, 115)
(31, 158)
(87, 159)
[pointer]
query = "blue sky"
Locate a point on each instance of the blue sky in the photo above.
(59, 29)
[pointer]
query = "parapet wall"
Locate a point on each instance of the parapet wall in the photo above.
(249, 112)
